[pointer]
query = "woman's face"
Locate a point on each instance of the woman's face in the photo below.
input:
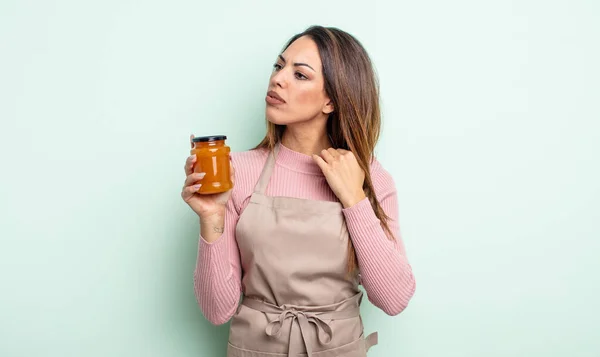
(296, 89)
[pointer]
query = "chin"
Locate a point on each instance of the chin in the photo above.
(277, 122)
(275, 118)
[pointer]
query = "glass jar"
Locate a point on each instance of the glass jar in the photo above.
(212, 158)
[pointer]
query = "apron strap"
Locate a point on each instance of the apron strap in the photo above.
(263, 181)
(301, 317)
(371, 341)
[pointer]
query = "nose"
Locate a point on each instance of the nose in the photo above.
(279, 79)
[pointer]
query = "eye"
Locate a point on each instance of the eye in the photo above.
(301, 76)
(277, 67)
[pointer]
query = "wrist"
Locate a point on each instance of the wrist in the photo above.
(215, 215)
(212, 226)
(353, 199)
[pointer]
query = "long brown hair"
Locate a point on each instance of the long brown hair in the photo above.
(354, 125)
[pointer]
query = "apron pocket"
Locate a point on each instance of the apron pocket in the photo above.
(233, 351)
(353, 349)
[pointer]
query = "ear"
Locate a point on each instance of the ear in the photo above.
(328, 108)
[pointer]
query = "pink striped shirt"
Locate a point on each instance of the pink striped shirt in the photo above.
(385, 271)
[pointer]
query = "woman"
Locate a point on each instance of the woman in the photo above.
(311, 216)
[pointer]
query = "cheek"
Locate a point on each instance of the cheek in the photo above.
(306, 103)
(308, 97)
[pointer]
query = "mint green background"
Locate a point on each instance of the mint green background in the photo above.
(491, 130)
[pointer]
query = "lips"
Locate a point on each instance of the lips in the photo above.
(274, 98)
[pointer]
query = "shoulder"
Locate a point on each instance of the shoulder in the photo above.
(383, 181)
(249, 160)
(247, 166)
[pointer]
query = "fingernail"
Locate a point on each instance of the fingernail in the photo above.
(192, 157)
(197, 187)
(201, 174)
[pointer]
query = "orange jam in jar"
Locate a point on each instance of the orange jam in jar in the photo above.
(212, 158)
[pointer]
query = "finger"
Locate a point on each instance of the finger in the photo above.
(319, 160)
(190, 191)
(189, 164)
(345, 154)
(334, 153)
(326, 155)
(232, 172)
(193, 178)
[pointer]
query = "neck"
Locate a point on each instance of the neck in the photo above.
(305, 139)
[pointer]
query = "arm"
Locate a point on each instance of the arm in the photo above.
(217, 277)
(385, 271)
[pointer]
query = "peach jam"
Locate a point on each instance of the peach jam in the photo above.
(212, 158)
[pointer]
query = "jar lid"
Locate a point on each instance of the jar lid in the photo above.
(202, 139)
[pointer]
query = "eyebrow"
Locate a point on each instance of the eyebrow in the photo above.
(297, 64)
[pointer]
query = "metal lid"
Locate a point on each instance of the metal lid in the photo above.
(202, 139)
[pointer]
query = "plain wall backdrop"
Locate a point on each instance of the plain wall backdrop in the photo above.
(490, 129)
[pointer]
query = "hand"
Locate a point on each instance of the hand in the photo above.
(207, 207)
(343, 174)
